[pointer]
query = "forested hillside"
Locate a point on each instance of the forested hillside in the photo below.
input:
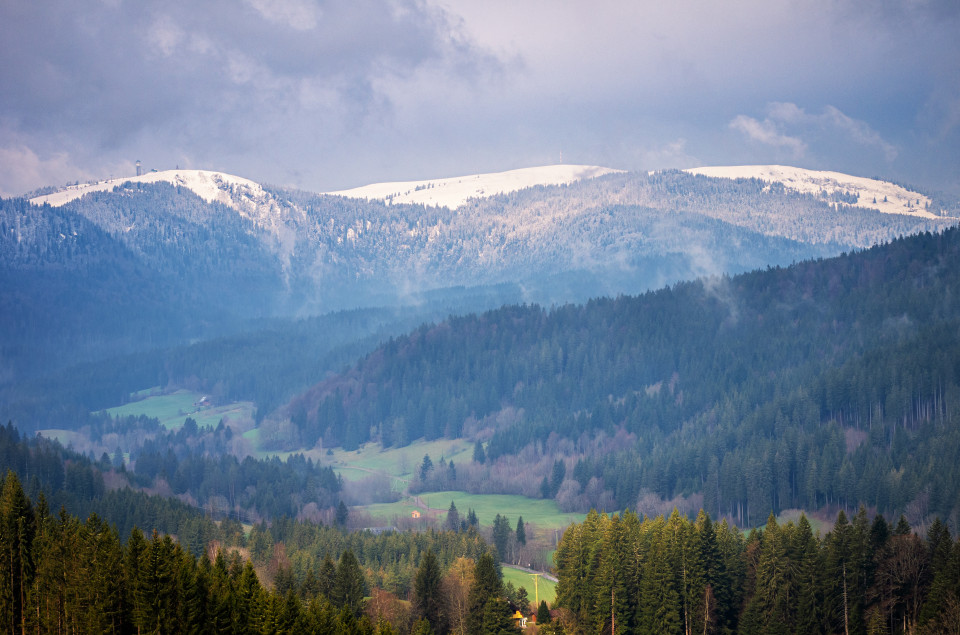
(671, 575)
(64, 575)
(828, 383)
(150, 265)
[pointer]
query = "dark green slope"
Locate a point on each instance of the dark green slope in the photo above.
(829, 382)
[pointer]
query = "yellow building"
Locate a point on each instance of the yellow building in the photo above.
(520, 619)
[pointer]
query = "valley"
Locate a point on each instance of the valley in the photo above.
(373, 373)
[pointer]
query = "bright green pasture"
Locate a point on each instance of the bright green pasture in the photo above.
(173, 409)
(548, 589)
(400, 462)
(543, 514)
(540, 512)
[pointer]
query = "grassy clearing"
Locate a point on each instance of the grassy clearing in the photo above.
(66, 438)
(173, 409)
(371, 458)
(400, 462)
(355, 474)
(541, 516)
(544, 514)
(547, 589)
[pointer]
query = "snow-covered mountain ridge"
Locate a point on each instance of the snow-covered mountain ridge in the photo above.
(247, 197)
(210, 186)
(882, 196)
(455, 191)
(252, 201)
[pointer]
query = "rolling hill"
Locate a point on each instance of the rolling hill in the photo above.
(829, 383)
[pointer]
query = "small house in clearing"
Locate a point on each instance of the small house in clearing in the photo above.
(520, 619)
(415, 513)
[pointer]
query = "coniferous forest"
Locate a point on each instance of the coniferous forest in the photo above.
(827, 383)
(616, 573)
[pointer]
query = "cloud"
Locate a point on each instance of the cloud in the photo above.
(23, 169)
(790, 126)
(327, 95)
(218, 84)
(300, 15)
(669, 155)
(766, 132)
(858, 131)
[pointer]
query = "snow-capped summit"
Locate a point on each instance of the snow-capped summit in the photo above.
(882, 196)
(454, 192)
(210, 186)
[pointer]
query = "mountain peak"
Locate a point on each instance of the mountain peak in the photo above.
(208, 185)
(882, 196)
(455, 191)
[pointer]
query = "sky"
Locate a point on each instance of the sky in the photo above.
(330, 95)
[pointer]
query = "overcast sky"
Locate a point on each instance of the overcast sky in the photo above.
(329, 95)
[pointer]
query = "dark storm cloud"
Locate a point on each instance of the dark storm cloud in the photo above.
(204, 80)
(327, 95)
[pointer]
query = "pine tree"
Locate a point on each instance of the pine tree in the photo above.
(425, 467)
(543, 613)
(17, 529)
(453, 518)
(427, 593)
(497, 619)
(486, 586)
(659, 608)
(327, 578)
(501, 536)
(349, 586)
(807, 573)
(769, 609)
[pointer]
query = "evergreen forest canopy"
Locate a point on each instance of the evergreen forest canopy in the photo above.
(829, 383)
(671, 575)
(622, 573)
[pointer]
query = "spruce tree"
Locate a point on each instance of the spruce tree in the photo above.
(543, 613)
(17, 529)
(427, 592)
(453, 518)
(349, 586)
(486, 586)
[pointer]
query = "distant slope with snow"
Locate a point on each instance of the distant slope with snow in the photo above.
(454, 192)
(210, 186)
(883, 196)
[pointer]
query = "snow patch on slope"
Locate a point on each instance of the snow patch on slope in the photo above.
(882, 196)
(454, 192)
(210, 186)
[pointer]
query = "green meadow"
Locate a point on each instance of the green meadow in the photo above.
(543, 515)
(174, 408)
(547, 588)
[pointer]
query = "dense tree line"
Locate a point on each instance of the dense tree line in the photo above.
(61, 575)
(76, 483)
(219, 486)
(830, 382)
(671, 575)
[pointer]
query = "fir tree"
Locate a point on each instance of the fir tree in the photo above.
(427, 593)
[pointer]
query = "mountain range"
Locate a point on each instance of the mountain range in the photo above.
(95, 270)
(654, 387)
